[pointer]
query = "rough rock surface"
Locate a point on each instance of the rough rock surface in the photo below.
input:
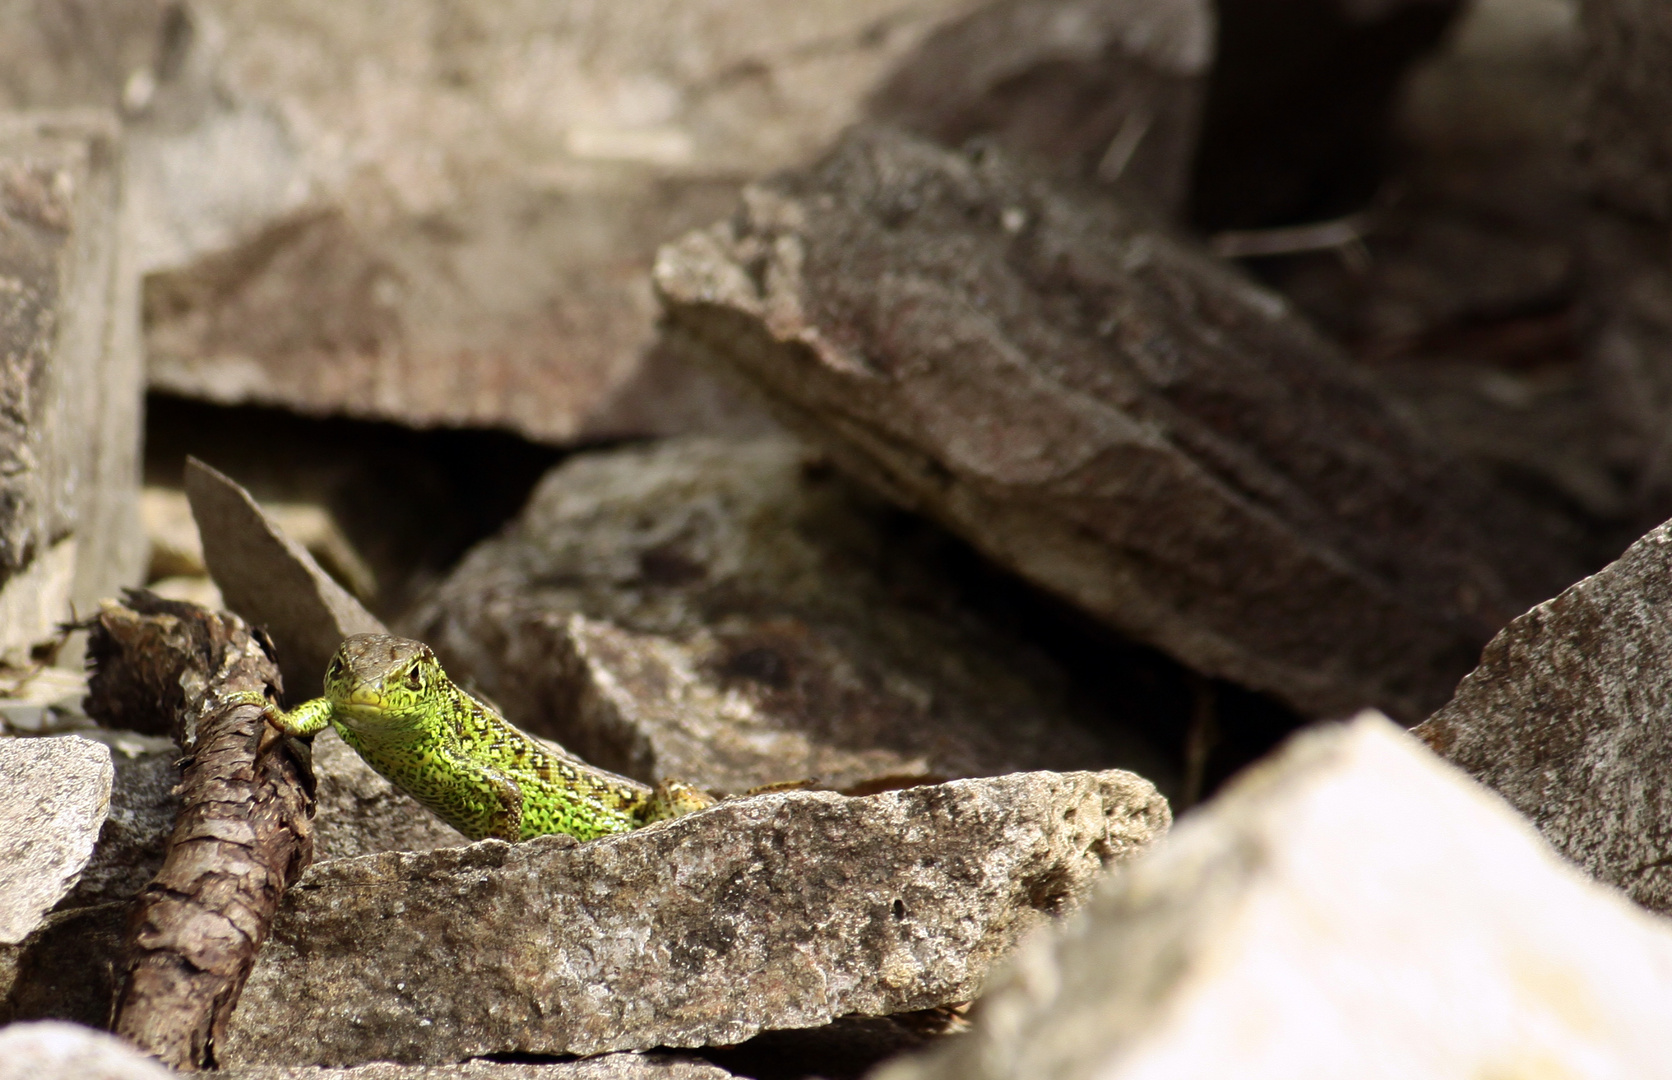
(1353, 907)
(54, 794)
(1115, 416)
(52, 1049)
(778, 911)
(734, 615)
(70, 385)
(1567, 718)
(603, 1067)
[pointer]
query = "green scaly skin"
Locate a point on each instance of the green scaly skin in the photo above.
(389, 699)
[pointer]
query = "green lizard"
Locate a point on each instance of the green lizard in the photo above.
(389, 699)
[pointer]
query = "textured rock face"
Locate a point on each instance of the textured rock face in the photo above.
(1567, 718)
(49, 1049)
(54, 794)
(1351, 908)
(70, 384)
(734, 615)
(780, 911)
(1115, 416)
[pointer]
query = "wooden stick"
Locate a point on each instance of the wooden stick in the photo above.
(244, 832)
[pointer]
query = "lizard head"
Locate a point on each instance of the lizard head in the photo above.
(376, 679)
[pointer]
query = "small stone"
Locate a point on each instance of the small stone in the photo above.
(50, 1050)
(54, 794)
(778, 911)
(1352, 907)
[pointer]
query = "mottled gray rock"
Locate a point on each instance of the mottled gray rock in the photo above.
(603, 1067)
(70, 392)
(732, 614)
(1567, 718)
(272, 581)
(778, 911)
(54, 794)
(1114, 415)
(51, 1050)
(1352, 907)
(1108, 91)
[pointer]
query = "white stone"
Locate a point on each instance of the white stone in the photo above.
(52, 1050)
(1353, 908)
(54, 794)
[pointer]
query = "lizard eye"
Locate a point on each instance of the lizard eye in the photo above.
(414, 678)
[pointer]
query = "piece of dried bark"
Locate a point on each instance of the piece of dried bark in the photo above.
(243, 835)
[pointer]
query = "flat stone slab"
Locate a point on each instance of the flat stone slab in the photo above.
(1352, 907)
(54, 794)
(1569, 717)
(778, 911)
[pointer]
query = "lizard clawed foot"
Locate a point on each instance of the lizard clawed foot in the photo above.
(675, 798)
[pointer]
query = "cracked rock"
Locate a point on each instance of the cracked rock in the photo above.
(1351, 907)
(779, 911)
(732, 614)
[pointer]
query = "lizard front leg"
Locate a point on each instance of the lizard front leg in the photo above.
(308, 718)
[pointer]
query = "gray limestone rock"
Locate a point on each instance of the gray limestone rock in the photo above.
(1350, 907)
(1104, 409)
(50, 1050)
(732, 614)
(779, 911)
(602, 1067)
(54, 794)
(1567, 718)
(70, 388)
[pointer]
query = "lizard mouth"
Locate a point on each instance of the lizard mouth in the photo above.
(366, 698)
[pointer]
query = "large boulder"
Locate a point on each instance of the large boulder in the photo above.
(1352, 907)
